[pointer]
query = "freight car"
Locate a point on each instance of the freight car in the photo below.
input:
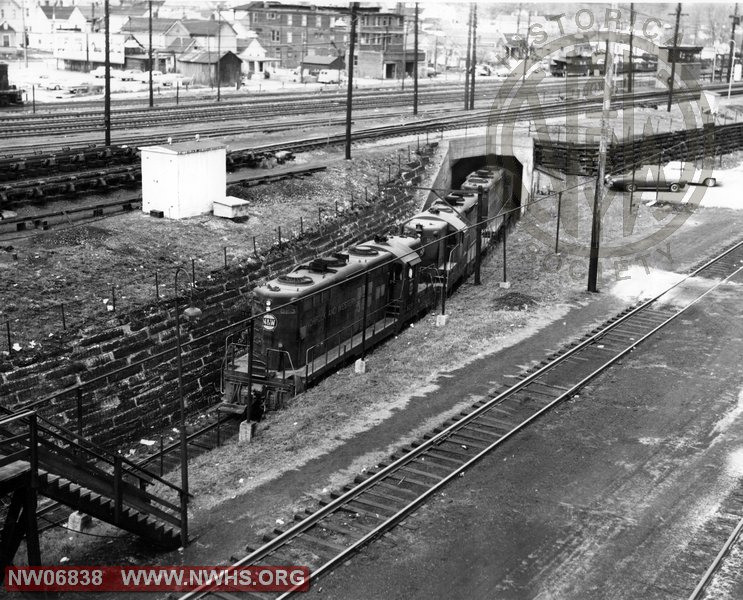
(332, 309)
(9, 95)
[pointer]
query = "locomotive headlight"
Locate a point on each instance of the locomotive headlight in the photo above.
(268, 305)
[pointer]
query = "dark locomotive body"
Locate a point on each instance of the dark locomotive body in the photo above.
(9, 95)
(327, 311)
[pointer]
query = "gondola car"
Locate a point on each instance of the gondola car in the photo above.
(327, 311)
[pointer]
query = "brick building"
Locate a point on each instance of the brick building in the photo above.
(291, 32)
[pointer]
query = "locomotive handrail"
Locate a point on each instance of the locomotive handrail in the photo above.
(279, 352)
(325, 341)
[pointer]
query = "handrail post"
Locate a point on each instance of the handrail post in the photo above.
(79, 414)
(33, 441)
(363, 324)
(478, 238)
(251, 331)
(118, 492)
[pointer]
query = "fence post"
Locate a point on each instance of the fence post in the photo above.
(301, 226)
(64, 324)
(557, 232)
(193, 271)
(279, 236)
(225, 257)
(478, 234)
(255, 248)
(113, 296)
(117, 490)
(443, 289)
(505, 235)
(157, 287)
(79, 414)
(33, 441)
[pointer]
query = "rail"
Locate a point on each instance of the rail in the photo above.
(441, 435)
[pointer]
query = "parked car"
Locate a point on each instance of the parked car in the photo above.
(144, 76)
(674, 177)
(173, 79)
(130, 75)
(483, 70)
(694, 175)
(645, 179)
(99, 72)
(502, 71)
(51, 85)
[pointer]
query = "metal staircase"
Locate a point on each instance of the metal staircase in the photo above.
(39, 457)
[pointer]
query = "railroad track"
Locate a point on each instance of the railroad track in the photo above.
(69, 185)
(717, 564)
(126, 119)
(381, 498)
(43, 221)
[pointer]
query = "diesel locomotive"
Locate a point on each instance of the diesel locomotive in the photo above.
(334, 308)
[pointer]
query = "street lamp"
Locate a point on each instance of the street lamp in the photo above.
(732, 66)
(191, 313)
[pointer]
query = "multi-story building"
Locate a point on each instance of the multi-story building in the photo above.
(291, 32)
(11, 12)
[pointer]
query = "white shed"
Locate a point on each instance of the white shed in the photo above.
(184, 179)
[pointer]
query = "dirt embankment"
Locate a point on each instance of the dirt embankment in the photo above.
(83, 270)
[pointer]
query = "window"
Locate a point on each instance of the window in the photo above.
(318, 21)
(275, 35)
(288, 37)
(272, 16)
(304, 20)
(355, 60)
(288, 19)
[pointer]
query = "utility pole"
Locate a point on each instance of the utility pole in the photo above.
(349, 66)
(404, 51)
(25, 40)
(631, 74)
(474, 56)
(673, 56)
(736, 20)
(219, 53)
(526, 43)
(467, 64)
(304, 53)
(107, 73)
(593, 261)
(415, 63)
(152, 99)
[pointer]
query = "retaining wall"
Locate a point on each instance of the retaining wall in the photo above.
(120, 383)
